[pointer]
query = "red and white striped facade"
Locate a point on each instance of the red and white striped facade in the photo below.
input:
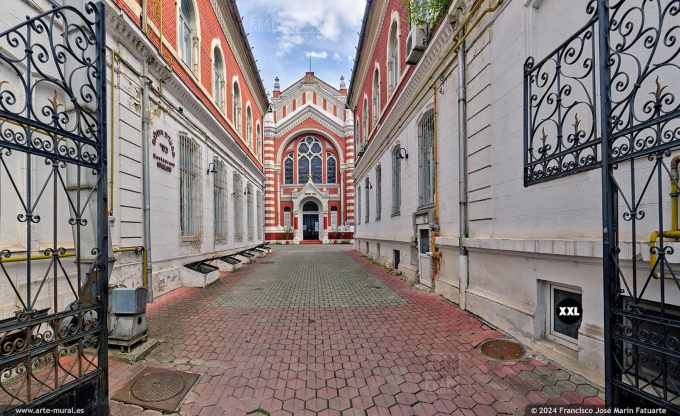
(313, 112)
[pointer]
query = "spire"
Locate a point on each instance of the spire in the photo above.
(343, 86)
(277, 87)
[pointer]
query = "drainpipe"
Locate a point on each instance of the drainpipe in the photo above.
(463, 261)
(146, 188)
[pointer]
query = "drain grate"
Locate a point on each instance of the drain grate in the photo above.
(502, 349)
(157, 389)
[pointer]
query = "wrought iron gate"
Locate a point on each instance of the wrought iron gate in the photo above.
(53, 225)
(608, 98)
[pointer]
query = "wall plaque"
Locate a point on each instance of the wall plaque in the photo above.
(163, 150)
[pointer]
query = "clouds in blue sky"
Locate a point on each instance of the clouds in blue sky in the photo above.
(285, 33)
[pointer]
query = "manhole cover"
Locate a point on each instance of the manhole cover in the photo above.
(157, 387)
(502, 349)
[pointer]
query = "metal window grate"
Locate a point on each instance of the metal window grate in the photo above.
(190, 188)
(238, 207)
(250, 213)
(378, 192)
(260, 203)
(426, 160)
(220, 201)
(396, 181)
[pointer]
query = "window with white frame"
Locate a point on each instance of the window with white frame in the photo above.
(186, 31)
(238, 207)
(190, 187)
(236, 107)
(367, 186)
(396, 181)
(218, 78)
(393, 57)
(286, 217)
(376, 95)
(557, 330)
(220, 201)
(378, 192)
(426, 158)
(260, 204)
(250, 212)
(249, 127)
(334, 217)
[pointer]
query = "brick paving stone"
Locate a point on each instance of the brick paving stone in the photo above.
(320, 330)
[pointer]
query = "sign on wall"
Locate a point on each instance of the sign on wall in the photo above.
(163, 150)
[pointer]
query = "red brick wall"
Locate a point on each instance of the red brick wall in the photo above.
(209, 29)
(379, 55)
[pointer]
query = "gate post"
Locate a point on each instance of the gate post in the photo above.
(609, 193)
(103, 220)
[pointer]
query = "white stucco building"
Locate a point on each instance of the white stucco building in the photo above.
(500, 250)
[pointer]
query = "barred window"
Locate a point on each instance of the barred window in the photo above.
(378, 192)
(238, 207)
(331, 168)
(358, 206)
(288, 169)
(220, 201)
(260, 204)
(396, 181)
(426, 158)
(258, 134)
(364, 130)
(190, 188)
(367, 185)
(250, 213)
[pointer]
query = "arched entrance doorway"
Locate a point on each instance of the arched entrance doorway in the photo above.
(310, 221)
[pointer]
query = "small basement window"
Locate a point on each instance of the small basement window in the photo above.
(563, 301)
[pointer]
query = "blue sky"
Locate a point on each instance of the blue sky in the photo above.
(284, 33)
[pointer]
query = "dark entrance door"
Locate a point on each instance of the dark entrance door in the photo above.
(310, 221)
(310, 224)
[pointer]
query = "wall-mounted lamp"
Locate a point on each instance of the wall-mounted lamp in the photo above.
(247, 191)
(401, 154)
(369, 185)
(212, 167)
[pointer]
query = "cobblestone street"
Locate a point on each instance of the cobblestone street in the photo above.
(321, 330)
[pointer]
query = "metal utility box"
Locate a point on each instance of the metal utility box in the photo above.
(128, 301)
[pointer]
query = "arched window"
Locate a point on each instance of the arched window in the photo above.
(331, 168)
(249, 127)
(393, 57)
(258, 135)
(288, 169)
(426, 156)
(218, 78)
(396, 180)
(286, 217)
(310, 206)
(334, 217)
(186, 31)
(236, 107)
(364, 130)
(309, 160)
(376, 95)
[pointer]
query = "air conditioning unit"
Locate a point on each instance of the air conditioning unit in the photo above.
(415, 45)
